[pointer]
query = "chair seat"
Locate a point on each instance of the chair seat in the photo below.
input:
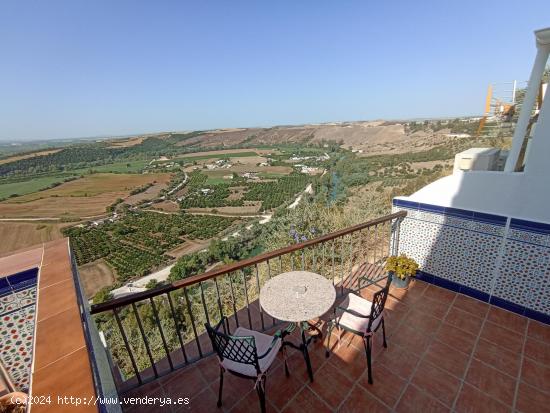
(361, 306)
(263, 341)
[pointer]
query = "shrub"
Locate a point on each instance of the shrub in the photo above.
(402, 266)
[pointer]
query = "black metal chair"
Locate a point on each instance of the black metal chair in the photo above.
(246, 353)
(362, 317)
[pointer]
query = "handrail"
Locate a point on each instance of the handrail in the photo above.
(195, 279)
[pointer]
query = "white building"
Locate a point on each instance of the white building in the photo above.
(486, 232)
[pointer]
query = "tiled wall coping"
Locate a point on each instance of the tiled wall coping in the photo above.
(61, 362)
(515, 223)
(453, 212)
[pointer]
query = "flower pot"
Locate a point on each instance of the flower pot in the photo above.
(400, 283)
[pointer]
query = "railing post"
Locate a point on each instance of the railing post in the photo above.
(394, 239)
(194, 290)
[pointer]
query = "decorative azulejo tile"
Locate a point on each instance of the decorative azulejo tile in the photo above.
(479, 253)
(528, 236)
(17, 312)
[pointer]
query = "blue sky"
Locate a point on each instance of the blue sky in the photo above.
(89, 68)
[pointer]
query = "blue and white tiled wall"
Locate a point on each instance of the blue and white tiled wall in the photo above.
(17, 312)
(501, 260)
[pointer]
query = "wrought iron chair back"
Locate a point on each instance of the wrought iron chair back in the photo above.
(240, 349)
(378, 303)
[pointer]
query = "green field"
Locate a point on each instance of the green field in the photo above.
(129, 166)
(271, 175)
(216, 181)
(39, 183)
(216, 156)
(30, 186)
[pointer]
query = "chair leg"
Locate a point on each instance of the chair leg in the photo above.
(329, 334)
(367, 343)
(260, 389)
(286, 363)
(221, 388)
(384, 333)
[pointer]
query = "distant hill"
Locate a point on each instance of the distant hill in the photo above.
(373, 137)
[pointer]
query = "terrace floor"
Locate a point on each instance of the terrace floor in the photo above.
(446, 352)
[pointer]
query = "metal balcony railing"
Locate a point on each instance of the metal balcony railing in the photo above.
(154, 332)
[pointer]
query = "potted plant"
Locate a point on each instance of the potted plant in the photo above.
(401, 269)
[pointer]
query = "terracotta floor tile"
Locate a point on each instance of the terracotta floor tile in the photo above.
(415, 329)
(412, 294)
(531, 399)
(507, 319)
(422, 322)
(471, 400)
(410, 337)
(394, 315)
(251, 403)
(498, 357)
(209, 369)
(491, 381)
(349, 360)
(415, 400)
(536, 374)
(346, 340)
(434, 308)
(297, 364)
(539, 331)
(538, 350)
(464, 321)
(362, 401)
(471, 305)
(400, 360)
(145, 390)
(234, 389)
(306, 401)
(280, 389)
(183, 383)
(505, 338)
(386, 385)
(204, 402)
(439, 294)
(331, 385)
(458, 339)
(446, 358)
(436, 382)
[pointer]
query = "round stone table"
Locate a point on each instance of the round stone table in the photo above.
(298, 296)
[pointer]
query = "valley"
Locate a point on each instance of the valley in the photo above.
(137, 205)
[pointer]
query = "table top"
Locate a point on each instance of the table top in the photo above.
(297, 296)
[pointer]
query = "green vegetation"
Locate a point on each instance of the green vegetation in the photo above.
(16, 188)
(103, 295)
(353, 190)
(274, 194)
(203, 194)
(136, 244)
(402, 266)
(217, 156)
(141, 189)
(454, 125)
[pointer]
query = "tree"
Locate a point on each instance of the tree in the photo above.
(152, 284)
(103, 295)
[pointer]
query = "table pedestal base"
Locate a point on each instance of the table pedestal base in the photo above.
(304, 326)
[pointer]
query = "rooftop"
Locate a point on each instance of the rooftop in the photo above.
(60, 355)
(446, 352)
